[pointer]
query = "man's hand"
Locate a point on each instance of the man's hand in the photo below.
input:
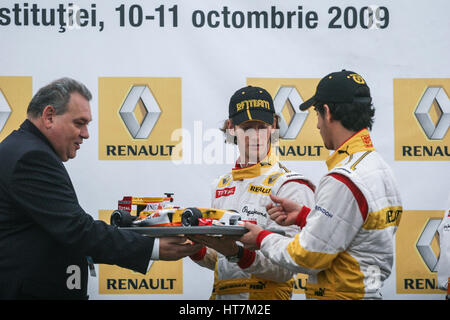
(249, 239)
(285, 212)
(174, 248)
(226, 245)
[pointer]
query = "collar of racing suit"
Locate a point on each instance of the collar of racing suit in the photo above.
(255, 170)
(358, 142)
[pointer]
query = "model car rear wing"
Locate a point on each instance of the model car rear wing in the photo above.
(141, 202)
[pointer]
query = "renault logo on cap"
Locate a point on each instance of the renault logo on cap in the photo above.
(288, 97)
(140, 94)
(424, 244)
(434, 100)
(5, 110)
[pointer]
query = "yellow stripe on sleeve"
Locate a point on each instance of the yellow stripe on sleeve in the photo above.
(309, 259)
(386, 217)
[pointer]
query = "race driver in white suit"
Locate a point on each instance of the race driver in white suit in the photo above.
(347, 244)
(241, 273)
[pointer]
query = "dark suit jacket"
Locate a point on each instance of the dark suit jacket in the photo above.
(43, 229)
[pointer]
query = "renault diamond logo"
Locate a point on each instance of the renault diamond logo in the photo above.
(5, 111)
(434, 103)
(140, 96)
(424, 244)
(289, 98)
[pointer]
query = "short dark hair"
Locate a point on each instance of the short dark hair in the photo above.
(354, 116)
(56, 94)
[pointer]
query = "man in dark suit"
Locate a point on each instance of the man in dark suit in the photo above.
(45, 236)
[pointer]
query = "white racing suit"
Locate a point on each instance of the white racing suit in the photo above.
(347, 244)
(247, 190)
(443, 266)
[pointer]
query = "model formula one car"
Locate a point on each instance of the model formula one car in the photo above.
(160, 212)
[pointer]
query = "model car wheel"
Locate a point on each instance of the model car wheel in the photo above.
(190, 217)
(121, 218)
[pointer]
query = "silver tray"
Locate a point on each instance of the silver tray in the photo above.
(173, 231)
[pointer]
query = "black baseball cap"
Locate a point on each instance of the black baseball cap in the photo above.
(251, 103)
(339, 87)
